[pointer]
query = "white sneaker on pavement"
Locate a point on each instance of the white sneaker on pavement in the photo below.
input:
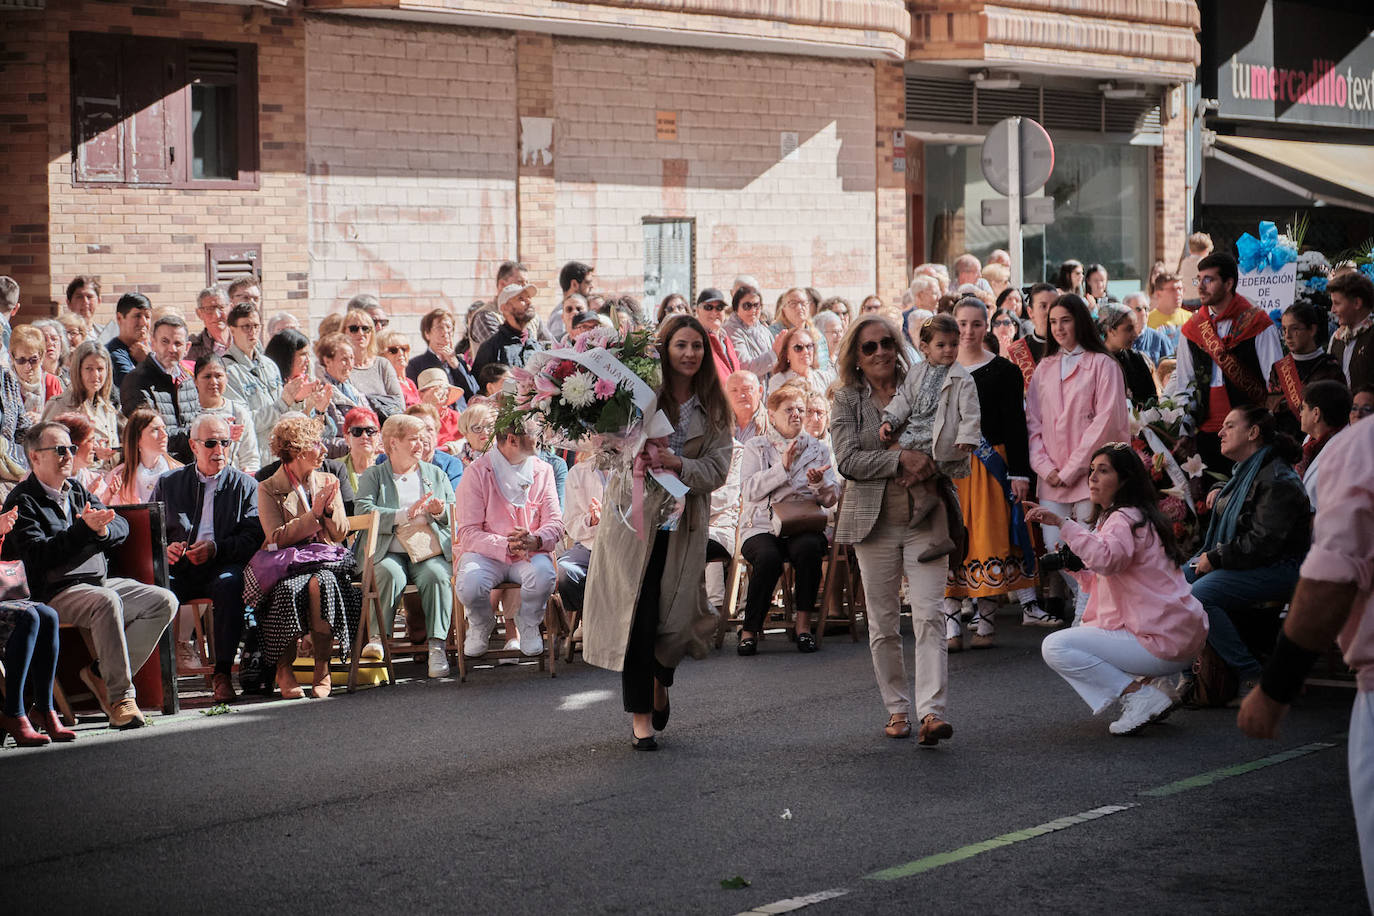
(438, 659)
(1141, 708)
(478, 639)
(512, 645)
(372, 652)
(1033, 615)
(531, 642)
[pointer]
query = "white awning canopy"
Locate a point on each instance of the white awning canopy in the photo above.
(1349, 166)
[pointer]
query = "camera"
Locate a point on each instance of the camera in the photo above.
(1061, 559)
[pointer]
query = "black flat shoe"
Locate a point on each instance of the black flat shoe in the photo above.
(806, 642)
(643, 744)
(661, 716)
(748, 646)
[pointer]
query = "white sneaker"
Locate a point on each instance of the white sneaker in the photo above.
(1033, 615)
(438, 659)
(478, 640)
(512, 645)
(372, 652)
(1141, 708)
(531, 642)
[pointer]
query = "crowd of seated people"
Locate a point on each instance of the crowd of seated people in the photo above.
(356, 418)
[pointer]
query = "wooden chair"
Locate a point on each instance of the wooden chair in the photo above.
(459, 628)
(202, 637)
(841, 590)
(363, 530)
(780, 615)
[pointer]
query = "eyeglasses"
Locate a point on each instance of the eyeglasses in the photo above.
(869, 347)
(360, 329)
(749, 306)
(712, 306)
(803, 348)
(381, 322)
(1204, 281)
(1004, 323)
(252, 327)
(394, 350)
(1362, 410)
(63, 451)
(357, 432)
(794, 408)
(487, 428)
(26, 360)
(216, 443)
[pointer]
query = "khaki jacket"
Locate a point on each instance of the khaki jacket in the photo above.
(862, 459)
(686, 622)
(287, 522)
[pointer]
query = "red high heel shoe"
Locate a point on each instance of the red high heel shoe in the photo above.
(50, 723)
(18, 728)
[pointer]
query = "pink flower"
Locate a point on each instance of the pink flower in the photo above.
(605, 389)
(544, 387)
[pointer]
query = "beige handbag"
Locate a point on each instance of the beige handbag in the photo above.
(418, 538)
(797, 516)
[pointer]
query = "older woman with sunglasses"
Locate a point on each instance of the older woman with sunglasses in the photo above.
(362, 430)
(752, 338)
(373, 376)
(796, 361)
(875, 518)
(394, 347)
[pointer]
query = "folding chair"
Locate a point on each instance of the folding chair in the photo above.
(202, 637)
(779, 616)
(459, 628)
(841, 590)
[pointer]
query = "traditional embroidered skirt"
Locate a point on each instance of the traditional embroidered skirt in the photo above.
(993, 565)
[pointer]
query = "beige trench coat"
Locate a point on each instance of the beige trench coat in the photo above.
(686, 622)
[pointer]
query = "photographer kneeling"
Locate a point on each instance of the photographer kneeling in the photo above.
(1141, 621)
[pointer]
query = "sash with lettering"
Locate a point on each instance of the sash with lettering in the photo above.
(1246, 322)
(1020, 353)
(1289, 381)
(1020, 534)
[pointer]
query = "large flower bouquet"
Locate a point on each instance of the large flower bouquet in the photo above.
(1160, 436)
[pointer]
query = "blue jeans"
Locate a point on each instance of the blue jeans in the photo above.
(1226, 593)
(572, 576)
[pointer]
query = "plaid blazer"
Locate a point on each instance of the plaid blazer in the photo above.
(863, 461)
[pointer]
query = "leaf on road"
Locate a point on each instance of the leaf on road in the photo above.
(734, 884)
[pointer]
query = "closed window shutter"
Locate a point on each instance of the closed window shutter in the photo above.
(97, 108)
(669, 259)
(225, 263)
(150, 70)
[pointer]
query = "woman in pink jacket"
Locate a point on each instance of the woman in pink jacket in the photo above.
(509, 523)
(1142, 621)
(1076, 403)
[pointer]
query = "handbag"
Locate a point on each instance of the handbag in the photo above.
(418, 538)
(797, 516)
(14, 584)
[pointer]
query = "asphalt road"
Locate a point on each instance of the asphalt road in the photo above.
(517, 793)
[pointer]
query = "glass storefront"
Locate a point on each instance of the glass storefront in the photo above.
(1102, 210)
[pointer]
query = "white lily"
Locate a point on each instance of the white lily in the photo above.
(1193, 466)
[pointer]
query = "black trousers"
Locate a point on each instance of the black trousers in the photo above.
(641, 667)
(223, 585)
(766, 554)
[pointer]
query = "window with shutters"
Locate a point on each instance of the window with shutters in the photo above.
(670, 259)
(163, 112)
(225, 263)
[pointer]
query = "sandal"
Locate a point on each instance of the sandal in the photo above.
(748, 646)
(806, 642)
(898, 726)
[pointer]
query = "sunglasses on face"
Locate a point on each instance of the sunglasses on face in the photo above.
(750, 306)
(803, 348)
(869, 347)
(63, 451)
(26, 360)
(1003, 323)
(394, 350)
(357, 432)
(360, 329)
(712, 307)
(216, 443)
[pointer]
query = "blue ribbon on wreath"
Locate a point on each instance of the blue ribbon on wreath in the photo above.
(1265, 251)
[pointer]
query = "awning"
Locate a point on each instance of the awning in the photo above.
(1344, 165)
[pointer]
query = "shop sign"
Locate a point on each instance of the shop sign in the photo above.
(665, 125)
(1291, 63)
(1270, 289)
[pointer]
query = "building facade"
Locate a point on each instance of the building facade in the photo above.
(405, 147)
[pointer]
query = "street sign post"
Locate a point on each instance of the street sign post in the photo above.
(1018, 158)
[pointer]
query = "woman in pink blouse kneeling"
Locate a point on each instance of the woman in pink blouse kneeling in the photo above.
(1141, 621)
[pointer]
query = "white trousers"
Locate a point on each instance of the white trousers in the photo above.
(1099, 664)
(1080, 511)
(479, 574)
(1361, 756)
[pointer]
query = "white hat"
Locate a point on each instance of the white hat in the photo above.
(514, 289)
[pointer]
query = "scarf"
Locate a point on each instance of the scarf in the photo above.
(514, 481)
(1222, 528)
(1247, 321)
(354, 396)
(1344, 333)
(32, 393)
(1310, 450)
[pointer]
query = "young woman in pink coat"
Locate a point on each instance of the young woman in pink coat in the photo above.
(1142, 621)
(1076, 403)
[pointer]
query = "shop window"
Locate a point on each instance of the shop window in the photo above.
(163, 112)
(670, 259)
(226, 263)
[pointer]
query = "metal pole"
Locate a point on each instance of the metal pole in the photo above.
(1014, 200)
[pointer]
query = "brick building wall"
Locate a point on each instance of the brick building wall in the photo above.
(807, 219)
(153, 239)
(411, 136)
(1171, 181)
(23, 158)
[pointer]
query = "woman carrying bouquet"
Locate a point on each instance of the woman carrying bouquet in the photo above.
(646, 601)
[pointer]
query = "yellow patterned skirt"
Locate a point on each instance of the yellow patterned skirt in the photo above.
(993, 566)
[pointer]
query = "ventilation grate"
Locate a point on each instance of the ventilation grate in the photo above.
(947, 101)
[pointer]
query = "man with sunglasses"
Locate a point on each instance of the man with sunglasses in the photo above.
(212, 532)
(62, 534)
(710, 311)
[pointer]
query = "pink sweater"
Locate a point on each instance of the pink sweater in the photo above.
(1133, 586)
(486, 518)
(1343, 538)
(1070, 419)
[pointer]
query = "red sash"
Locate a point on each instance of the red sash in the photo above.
(1290, 382)
(1019, 352)
(1247, 322)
